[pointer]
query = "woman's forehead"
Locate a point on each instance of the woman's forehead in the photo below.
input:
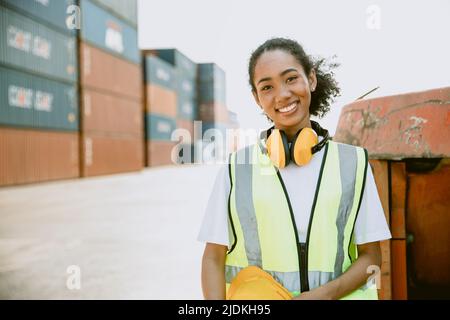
(274, 62)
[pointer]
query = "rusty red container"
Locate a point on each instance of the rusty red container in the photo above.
(28, 156)
(407, 139)
(103, 71)
(106, 113)
(106, 154)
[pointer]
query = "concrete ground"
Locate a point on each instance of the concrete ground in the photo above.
(126, 236)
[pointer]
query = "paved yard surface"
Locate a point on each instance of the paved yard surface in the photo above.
(127, 236)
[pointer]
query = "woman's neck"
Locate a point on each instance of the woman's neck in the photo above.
(291, 131)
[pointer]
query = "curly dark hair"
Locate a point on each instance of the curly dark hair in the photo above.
(327, 87)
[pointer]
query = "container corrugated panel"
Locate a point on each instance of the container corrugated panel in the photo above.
(28, 156)
(427, 220)
(186, 66)
(161, 100)
(187, 107)
(52, 12)
(104, 71)
(111, 114)
(213, 112)
(31, 101)
(32, 46)
(103, 154)
(108, 32)
(160, 72)
(211, 83)
(125, 9)
(160, 127)
(186, 87)
(210, 71)
(160, 153)
(211, 92)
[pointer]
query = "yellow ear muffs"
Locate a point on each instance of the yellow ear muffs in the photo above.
(278, 148)
(301, 147)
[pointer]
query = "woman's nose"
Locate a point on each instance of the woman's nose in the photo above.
(283, 93)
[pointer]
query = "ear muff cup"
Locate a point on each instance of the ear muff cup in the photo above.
(278, 148)
(301, 147)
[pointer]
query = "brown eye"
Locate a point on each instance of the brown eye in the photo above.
(265, 88)
(290, 79)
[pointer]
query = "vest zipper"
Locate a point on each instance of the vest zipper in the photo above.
(303, 248)
(302, 266)
(313, 209)
(304, 263)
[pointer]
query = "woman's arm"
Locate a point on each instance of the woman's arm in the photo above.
(213, 271)
(369, 254)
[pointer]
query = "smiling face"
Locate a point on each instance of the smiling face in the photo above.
(283, 90)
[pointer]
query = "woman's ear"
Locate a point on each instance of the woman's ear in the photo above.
(312, 78)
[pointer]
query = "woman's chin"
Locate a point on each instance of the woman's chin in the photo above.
(289, 122)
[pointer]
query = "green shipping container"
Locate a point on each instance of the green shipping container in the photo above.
(34, 47)
(159, 127)
(185, 86)
(51, 12)
(160, 72)
(211, 92)
(186, 107)
(36, 102)
(104, 30)
(210, 71)
(124, 9)
(184, 65)
(211, 83)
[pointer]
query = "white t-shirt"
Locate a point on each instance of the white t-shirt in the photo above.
(300, 183)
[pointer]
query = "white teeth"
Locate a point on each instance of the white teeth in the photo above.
(288, 108)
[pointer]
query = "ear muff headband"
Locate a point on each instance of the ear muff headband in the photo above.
(304, 145)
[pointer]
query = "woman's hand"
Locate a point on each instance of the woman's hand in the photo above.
(369, 254)
(320, 293)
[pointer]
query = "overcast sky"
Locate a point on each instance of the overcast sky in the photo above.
(401, 46)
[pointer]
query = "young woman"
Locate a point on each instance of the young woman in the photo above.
(312, 217)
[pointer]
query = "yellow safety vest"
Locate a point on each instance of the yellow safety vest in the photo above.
(262, 224)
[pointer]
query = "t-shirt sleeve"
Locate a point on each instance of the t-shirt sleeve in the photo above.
(214, 228)
(371, 224)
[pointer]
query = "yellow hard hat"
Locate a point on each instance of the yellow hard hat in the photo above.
(253, 283)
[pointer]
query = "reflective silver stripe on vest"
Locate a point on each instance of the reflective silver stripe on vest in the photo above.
(348, 160)
(244, 205)
(318, 278)
(289, 280)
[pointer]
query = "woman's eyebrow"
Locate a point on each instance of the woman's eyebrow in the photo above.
(281, 74)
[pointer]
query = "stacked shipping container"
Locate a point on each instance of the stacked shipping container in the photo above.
(38, 92)
(160, 110)
(111, 88)
(48, 68)
(187, 105)
(171, 92)
(212, 104)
